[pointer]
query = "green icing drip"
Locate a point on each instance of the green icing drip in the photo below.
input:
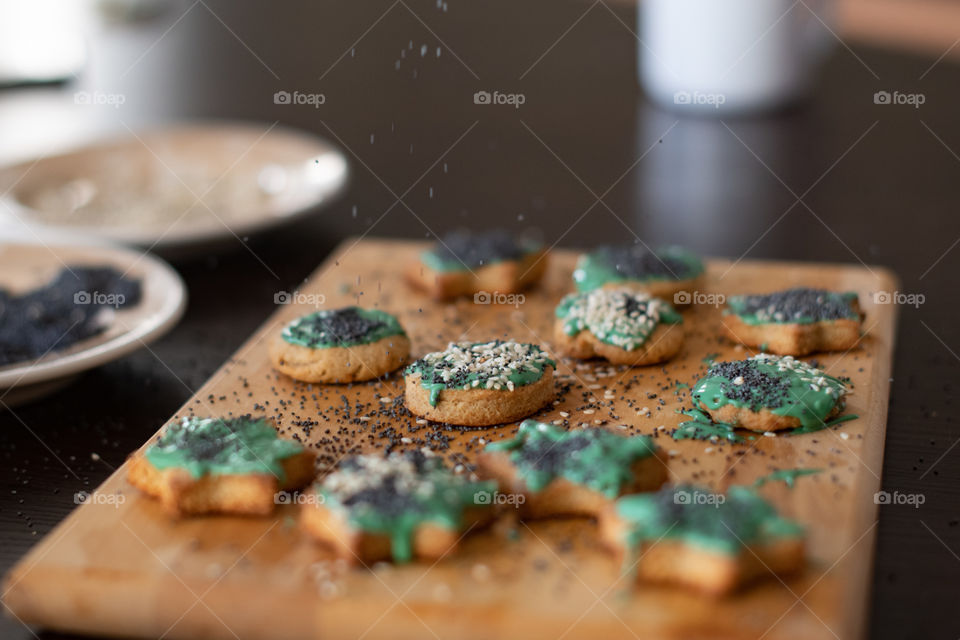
(595, 458)
(788, 476)
(344, 327)
(623, 319)
(783, 385)
(222, 446)
(698, 517)
(595, 269)
(703, 428)
(401, 493)
(494, 365)
(822, 425)
(739, 305)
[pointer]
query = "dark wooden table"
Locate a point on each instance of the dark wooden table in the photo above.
(585, 160)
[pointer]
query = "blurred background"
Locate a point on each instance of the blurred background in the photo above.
(747, 128)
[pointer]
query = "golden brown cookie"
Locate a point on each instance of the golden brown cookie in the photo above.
(546, 471)
(479, 264)
(404, 506)
(709, 542)
(769, 393)
(214, 465)
(340, 346)
(796, 321)
(619, 325)
(480, 384)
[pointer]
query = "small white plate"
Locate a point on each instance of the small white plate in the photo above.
(25, 266)
(175, 188)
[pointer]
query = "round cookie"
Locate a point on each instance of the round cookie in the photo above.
(220, 465)
(663, 273)
(480, 384)
(403, 506)
(623, 326)
(795, 321)
(340, 346)
(466, 263)
(702, 540)
(769, 393)
(577, 472)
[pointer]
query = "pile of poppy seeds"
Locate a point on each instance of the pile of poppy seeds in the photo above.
(553, 456)
(478, 249)
(335, 326)
(388, 484)
(799, 304)
(61, 313)
(638, 262)
(744, 382)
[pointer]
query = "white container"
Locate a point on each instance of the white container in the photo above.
(722, 56)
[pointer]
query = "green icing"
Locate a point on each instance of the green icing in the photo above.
(341, 328)
(794, 306)
(219, 446)
(396, 494)
(432, 260)
(788, 476)
(703, 428)
(783, 385)
(613, 264)
(721, 523)
(822, 425)
(595, 458)
(623, 319)
(497, 365)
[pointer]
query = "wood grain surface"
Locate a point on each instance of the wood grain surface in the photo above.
(118, 565)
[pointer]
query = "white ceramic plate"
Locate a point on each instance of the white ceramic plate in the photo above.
(25, 266)
(182, 186)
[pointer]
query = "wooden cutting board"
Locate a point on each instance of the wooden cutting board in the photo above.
(119, 566)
